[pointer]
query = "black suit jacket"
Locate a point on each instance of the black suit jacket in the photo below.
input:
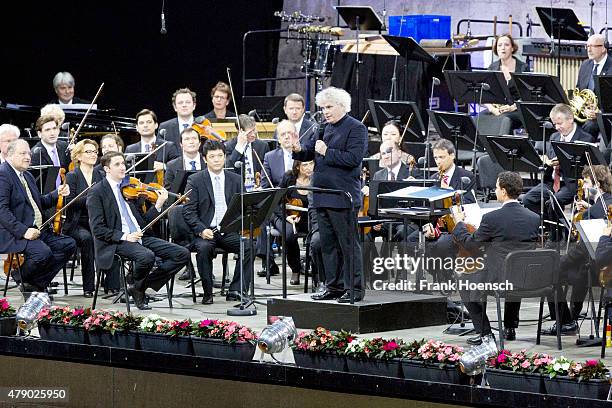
(383, 174)
(509, 228)
(170, 152)
(41, 157)
(172, 169)
(603, 253)
(77, 183)
(16, 213)
(105, 222)
(306, 127)
(173, 133)
(211, 114)
(274, 163)
(455, 183)
(586, 68)
(200, 209)
(579, 135)
(233, 156)
(56, 101)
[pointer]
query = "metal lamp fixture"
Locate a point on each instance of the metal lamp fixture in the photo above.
(473, 361)
(28, 312)
(276, 337)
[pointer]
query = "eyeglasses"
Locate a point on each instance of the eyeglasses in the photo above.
(90, 152)
(594, 45)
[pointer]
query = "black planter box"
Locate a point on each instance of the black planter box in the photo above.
(218, 348)
(320, 361)
(423, 371)
(372, 366)
(62, 333)
(121, 339)
(8, 326)
(165, 344)
(508, 380)
(597, 389)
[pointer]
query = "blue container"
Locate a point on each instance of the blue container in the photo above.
(419, 27)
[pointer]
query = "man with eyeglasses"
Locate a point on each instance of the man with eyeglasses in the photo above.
(597, 64)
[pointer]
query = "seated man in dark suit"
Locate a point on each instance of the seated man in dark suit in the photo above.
(50, 150)
(146, 125)
(63, 84)
(116, 227)
(510, 228)
(597, 64)
(248, 148)
(21, 206)
(190, 160)
(211, 192)
(279, 161)
(183, 103)
(563, 186)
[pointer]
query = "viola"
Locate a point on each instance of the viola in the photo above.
(365, 204)
(205, 130)
(59, 215)
(135, 189)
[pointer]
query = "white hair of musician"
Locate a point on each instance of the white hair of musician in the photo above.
(334, 95)
(8, 128)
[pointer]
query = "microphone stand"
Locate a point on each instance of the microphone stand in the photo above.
(474, 151)
(426, 172)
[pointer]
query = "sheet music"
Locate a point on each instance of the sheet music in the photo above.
(473, 214)
(593, 229)
(79, 106)
(422, 193)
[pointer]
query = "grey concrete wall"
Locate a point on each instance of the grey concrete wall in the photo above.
(290, 59)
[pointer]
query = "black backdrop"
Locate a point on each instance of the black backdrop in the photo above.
(119, 43)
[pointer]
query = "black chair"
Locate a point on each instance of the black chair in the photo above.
(122, 281)
(180, 234)
(11, 258)
(532, 273)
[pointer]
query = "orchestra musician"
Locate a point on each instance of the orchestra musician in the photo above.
(338, 156)
(111, 142)
(85, 156)
(190, 160)
(63, 84)
(117, 229)
(57, 112)
(391, 132)
(8, 133)
(211, 192)
(279, 161)
(572, 264)
(45, 253)
(183, 103)
(297, 222)
(221, 96)
(509, 228)
(246, 146)
(146, 125)
(598, 63)
(49, 150)
(294, 108)
(562, 185)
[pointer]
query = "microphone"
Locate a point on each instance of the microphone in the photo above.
(163, 24)
(65, 126)
(162, 133)
(421, 160)
(389, 150)
(465, 180)
(199, 120)
(547, 125)
(275, 121)
(484, 86)
(435, 81)
(238, 164)
(254, 115)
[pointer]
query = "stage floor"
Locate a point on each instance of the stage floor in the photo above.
(185, 308)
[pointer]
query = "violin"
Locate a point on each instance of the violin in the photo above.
(205, 130)
(295, 206)
(135, 189)
(579, 214)
(365, 204)
(59, 215)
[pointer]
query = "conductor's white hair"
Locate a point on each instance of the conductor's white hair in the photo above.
(336, 96)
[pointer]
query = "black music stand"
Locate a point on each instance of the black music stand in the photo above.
(603, 90)
(514, 153)
(143, 171)
(467, 87)
(604, 121)
(404, 112)
(45, 176)
(359, 18)
(249, 209)
(535, 117)
(266, 107)
(180, 181)
(385, 186)
(371, 164)
(573, 157)
(459, 128)
(561, 24)
(535, 87)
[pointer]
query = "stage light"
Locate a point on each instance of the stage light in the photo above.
(277, 337)
(473, 361)
(27, 315)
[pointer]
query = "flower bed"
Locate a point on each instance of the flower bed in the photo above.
(8, 324)
(223, 339)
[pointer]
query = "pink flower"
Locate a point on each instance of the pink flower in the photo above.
(591, 363)
(441, 357)
(501, 358)
(390, 346)
(525, 364)
(77, 312)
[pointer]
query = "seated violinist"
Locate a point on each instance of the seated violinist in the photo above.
(593, 205)
(117, 229)
(84, 155)
(221, 96)
(146, 125)
(21, 223)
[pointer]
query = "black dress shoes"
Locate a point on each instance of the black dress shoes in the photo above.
(232, 296)
(139, 298)
(509, 333)
(207, 299)
(346, 297)
(186, 275)
(111, 291)
(326, 295)
(566, 329)
(88, 294)
(474, 341)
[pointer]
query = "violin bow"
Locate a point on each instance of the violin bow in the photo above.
(178, 201)
(44, 224)
(595, 182)
(146, 157)
(73, 138)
